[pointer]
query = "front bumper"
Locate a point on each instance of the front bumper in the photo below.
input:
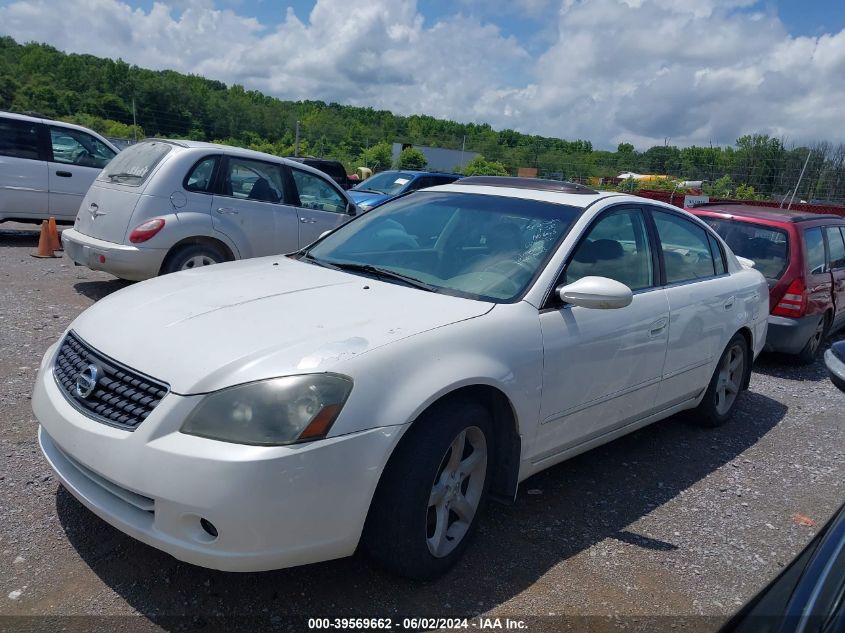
(788, 335)
(272, 507)
(836, 367)
(126, 262)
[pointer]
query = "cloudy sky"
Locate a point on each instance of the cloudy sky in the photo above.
(641, 71)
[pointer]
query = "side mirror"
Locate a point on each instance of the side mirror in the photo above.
(599, 293)
(351, 209)
(834, 360)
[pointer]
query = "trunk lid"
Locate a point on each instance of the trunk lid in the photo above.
(106, 210)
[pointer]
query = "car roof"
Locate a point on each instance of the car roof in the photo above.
(232, 150)
(751, 212)
(513, 187)
(37, 118)
(419, 172)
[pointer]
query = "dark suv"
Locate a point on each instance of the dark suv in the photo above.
(333, 168)
(802, 256)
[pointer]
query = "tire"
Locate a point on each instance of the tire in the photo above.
(192, 256)
(811, 349)
(424, 512)
(725, 386)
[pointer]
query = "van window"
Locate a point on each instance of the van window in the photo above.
(836, 246)
(766, 246)
(815, 251)
(134, 164)
(18, 139)
(78, 148)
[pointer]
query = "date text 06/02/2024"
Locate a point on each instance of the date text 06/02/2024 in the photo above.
(416, 624)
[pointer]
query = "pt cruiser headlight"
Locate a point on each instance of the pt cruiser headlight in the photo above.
(271, 412)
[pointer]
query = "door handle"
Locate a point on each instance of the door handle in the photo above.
(64, 174)
(729, 303)
(227, 210)
(658, 326)
(307, 221)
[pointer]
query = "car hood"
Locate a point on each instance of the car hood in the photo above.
(228, 324)
(365, 197)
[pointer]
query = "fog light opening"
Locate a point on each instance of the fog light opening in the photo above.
(208, 527)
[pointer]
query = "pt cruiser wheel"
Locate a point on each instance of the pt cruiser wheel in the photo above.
(192, 256)
(430, 495)
(727, 381)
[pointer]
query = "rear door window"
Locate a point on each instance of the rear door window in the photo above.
(134, 164)
(19, 139)
(816, 262)
(686, 248)
(766, 246)
(249, 179)
(200, 176)
(836, 247)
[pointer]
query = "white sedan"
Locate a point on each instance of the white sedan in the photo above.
(379, 385)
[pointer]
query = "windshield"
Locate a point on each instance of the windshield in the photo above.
(766, 246)
(135, 163)
(478, 246)
(387, 182)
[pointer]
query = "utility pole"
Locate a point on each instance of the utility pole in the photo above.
(296, 144)
(134, 121)
(463, 148)
(800, 178)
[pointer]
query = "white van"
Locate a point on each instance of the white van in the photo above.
(46, 167)
(167, 205)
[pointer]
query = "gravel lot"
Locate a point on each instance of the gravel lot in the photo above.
(672, 520)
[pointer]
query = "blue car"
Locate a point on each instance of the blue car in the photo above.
(387, 185)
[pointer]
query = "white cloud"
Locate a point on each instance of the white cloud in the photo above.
(614, 70)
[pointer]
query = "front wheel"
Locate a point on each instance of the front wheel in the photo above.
(723, 391)
(426, 507)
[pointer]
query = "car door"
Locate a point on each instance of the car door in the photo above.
(23, 170)
(836, 248)
(75, 160)
(250, 207)
(602, 368)
(702, 305)
(320, 205)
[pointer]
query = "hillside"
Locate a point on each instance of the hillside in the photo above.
(100, 92)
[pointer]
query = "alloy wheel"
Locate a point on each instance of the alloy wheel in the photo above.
(196, 261)
(456, 492)
(731, 374)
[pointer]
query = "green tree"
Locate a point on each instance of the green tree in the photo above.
(721, 188)
(412, 158)
(745, 192)
(480, 166)
(378, 157)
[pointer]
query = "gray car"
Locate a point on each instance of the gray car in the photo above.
(167, 205)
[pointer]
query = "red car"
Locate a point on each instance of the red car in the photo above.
(802, 256)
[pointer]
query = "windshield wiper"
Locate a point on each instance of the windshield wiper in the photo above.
(379, 272)
(122, 175)
(370, 191)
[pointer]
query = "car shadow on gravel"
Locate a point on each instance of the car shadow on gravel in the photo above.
(96, 290)
(19, 237)
(784, 366)
(558, 514)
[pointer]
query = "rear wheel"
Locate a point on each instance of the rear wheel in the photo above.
(808, 354)
(725, 386)
(193, 256)
(427, 504)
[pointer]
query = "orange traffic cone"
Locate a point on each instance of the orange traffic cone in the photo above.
(55, 242)
(44, 247)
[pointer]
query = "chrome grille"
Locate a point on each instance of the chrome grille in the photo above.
(121, 397)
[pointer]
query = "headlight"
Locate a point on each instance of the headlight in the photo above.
(271, 412)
